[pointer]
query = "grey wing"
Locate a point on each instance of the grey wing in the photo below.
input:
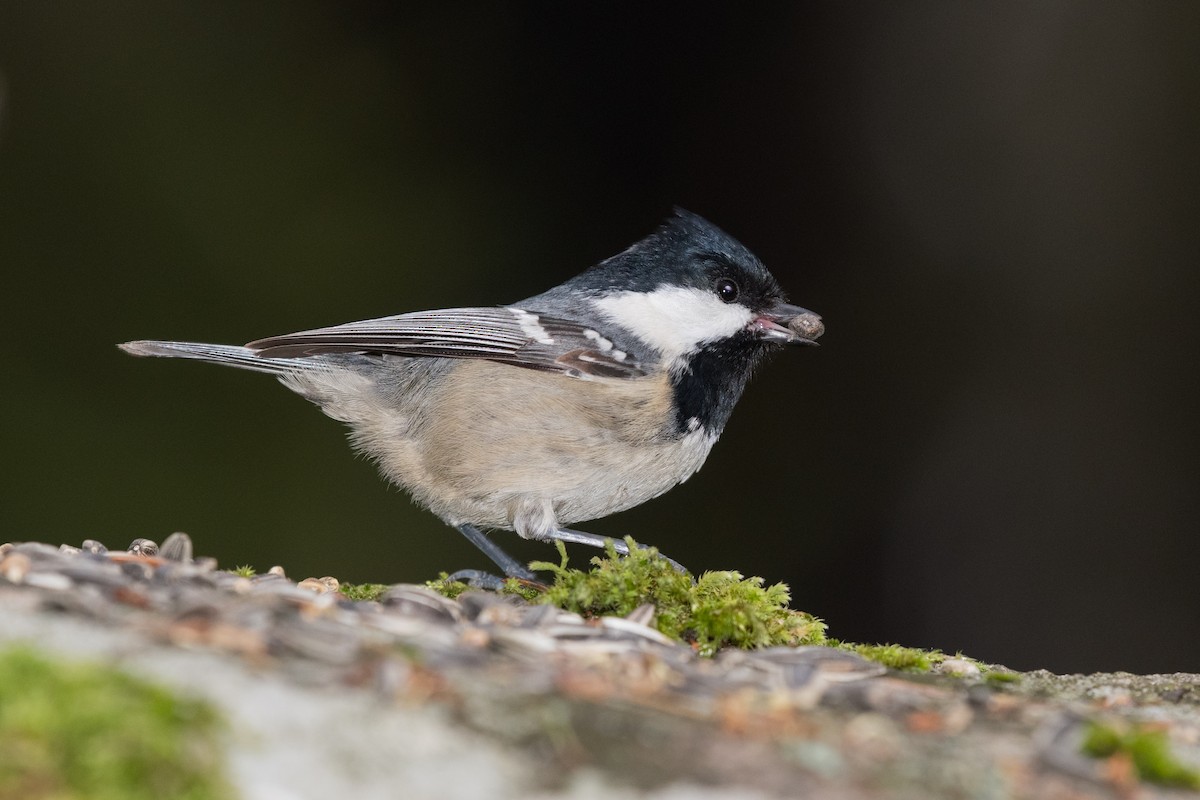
(505, 334)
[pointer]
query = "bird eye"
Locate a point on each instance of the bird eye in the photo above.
(726, 289)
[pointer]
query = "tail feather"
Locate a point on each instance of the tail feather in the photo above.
(231, 355)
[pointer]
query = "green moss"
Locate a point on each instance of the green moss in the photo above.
(999, 676)
(244, 571)
(719, 609)
(894, 656)
(75, 731)
(446, 587)
(531, 593)
(1101, 741)
(1147, 748)
(452, 589)
(363, 591)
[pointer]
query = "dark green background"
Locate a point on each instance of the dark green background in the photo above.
(994, 207)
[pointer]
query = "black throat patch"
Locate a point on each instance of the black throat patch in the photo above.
(708, 389)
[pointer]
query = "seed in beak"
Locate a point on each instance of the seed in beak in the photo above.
(808, 326)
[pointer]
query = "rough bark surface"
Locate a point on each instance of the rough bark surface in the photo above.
(485, 696)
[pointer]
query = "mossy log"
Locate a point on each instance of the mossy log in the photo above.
(414, 694)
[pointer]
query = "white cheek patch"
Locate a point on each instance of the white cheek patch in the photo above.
(674, 320)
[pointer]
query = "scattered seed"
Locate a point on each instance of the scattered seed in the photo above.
(142, 547)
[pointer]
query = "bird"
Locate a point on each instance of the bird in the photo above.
(582, 401)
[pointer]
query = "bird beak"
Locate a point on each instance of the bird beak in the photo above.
(787, 324)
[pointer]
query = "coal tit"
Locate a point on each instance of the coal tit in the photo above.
(585, 400)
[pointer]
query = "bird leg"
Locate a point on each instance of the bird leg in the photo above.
(507, 564)
(593, 540)
(515, 569)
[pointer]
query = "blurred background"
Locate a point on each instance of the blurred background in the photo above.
(995, 449)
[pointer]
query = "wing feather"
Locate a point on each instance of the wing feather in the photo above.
(506, 334)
